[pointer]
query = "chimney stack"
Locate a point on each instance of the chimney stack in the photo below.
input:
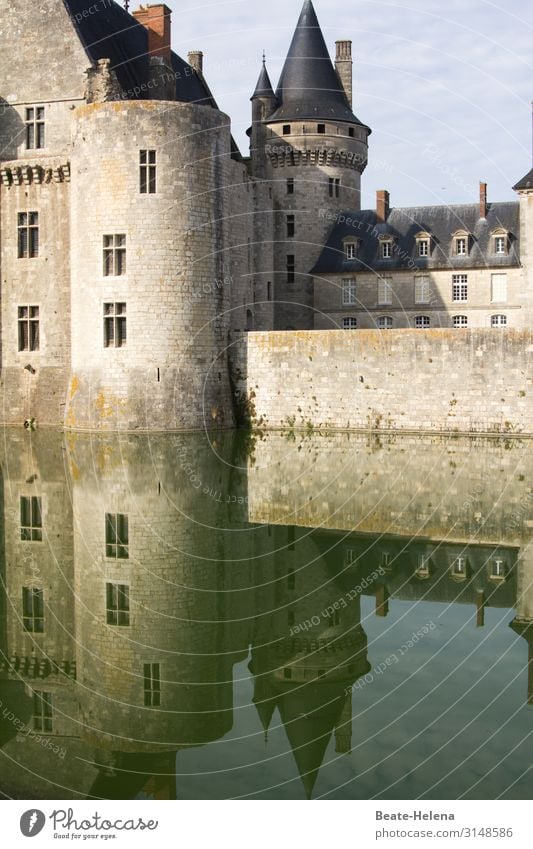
(156, 19)
(382, 205)
(343, 66)
(483, 206)
(196, 61)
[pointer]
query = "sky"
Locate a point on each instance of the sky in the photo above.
(445, 86)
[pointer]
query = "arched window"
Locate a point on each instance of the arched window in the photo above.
(461, 243)
(498, 321)
(422, 321)
(349, 323)
(385, 322)
(460, 321)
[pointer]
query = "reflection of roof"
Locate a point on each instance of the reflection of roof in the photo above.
(309, 86)
(404, 224)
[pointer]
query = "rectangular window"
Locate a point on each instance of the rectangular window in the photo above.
(116, 536)
(498, 321)
(384, 290)
(31, 522)
(34, 127)
(385, 322)
(152, 685)
(115, 325)
(460, 321)
(459, 287)
(500, 245)
(290, 268)
(290, 226)
(28, 235)
(118, 604)
(386, 250)
(349, 323)
(290, 186)
(321, 129)
(422, 321)
(42, 711)
(498, 285)
(334, 187)
(423, 247)
(461, 246)
(286, 129)
(350, 250)
(33, 610)
(147, 166)
(114, 255)
(28, 328)
(349, 292)
(422, 294)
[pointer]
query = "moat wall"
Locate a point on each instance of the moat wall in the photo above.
(471, 381)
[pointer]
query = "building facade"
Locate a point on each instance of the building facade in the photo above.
(139, 245)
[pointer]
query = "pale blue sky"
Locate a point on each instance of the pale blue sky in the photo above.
(446, 87)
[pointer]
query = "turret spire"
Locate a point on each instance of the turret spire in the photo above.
(264, 86)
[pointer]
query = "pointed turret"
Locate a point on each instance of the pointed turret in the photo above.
(264, 86)
(309, 86)
(263, 104)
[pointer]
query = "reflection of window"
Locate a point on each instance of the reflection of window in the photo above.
(385, 322)
(116, 536)
(287, 672)
(334, 618)
(498, 568)
(459, 567)
(33, 610)
(349, 292)
(42, 711)
(498, 321)
(385, 560)
(422, 570)
(118, 604)
(350, 557)
(349, 322)
(422, 321)
(460, 321)
(152, 685)
(291, 579)
(31, 523)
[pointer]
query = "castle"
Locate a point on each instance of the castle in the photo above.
(139, 246)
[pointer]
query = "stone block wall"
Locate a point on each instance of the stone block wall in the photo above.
(451, 381)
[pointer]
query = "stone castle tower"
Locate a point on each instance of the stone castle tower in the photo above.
(306, 142)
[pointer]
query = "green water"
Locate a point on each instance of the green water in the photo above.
(277, 617)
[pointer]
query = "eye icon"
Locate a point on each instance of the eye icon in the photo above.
(32, 822)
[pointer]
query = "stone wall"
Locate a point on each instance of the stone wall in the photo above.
(451, 381)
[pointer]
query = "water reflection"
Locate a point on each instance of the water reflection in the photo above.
(149, 581)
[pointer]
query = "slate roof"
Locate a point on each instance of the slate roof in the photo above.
(403, 224)
(112, 33)
(526, 182)
(309, 86)
(264, 86)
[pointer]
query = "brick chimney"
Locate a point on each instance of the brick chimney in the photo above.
(343, 66)
(156, 19)
(483, 206)
(382, 205)
(195, 59)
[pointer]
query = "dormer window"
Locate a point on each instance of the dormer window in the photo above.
(423, 241)
(500, 243)
(351, 249)
(460, 243)
(385, 247)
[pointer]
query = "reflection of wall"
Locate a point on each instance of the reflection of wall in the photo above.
(459, 490)
(177, 581)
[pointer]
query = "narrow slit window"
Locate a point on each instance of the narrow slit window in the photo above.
(118, 604)
(290, 268)
(148, 172)
(117, 536)
(31, 522)
(290, 226)
(33, 610)
(28, 235)
(152, 685)
(42, 711)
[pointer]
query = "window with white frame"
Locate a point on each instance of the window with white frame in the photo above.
(117, 536)
(423, 247)
(350, 249)
(498, 288)
(459, 287)
(152, 685)
(498, 321)
(500, 243)
(384, 290)
(422, 321)
(460, 321)
(349, 291)
(147, 172)
(459, 567)
(498, 568)
(422, 292)
(349, 323)
(117, 604)
(42, 711)
(386, 248)
(385, 322)
(460, 244)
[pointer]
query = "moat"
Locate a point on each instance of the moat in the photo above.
(279, 616)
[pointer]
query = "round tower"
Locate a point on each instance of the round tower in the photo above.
(315, 150)
(147, 235)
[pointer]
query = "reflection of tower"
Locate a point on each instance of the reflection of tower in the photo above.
(155, 649)
(308, 649)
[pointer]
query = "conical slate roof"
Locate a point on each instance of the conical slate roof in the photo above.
(264, 86)
(525, 183)
(309, 86)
